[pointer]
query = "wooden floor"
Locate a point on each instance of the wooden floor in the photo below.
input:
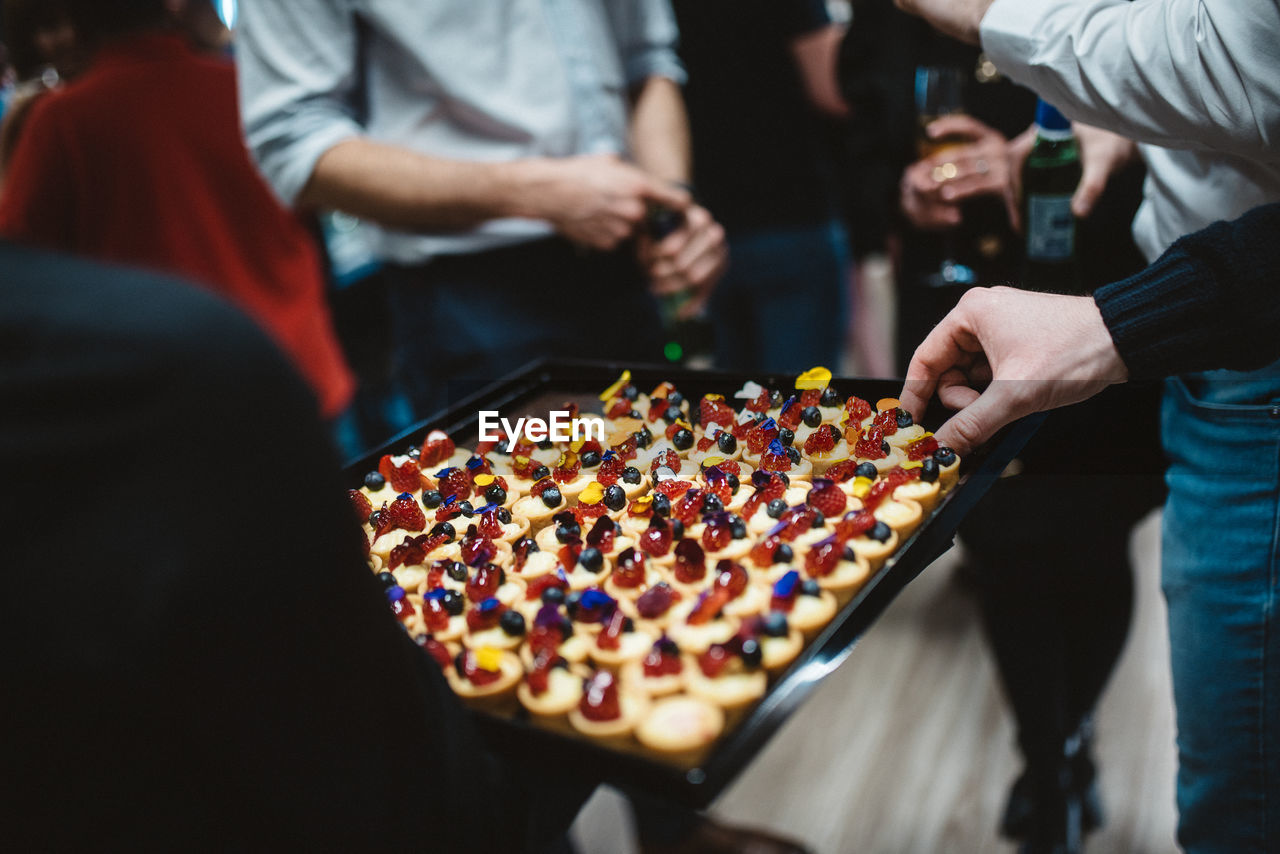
(908, 746)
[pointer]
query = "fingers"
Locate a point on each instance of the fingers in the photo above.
(1092, 182)
(978, 421)
(940, 352)
(959, 124)
(971, 182)
(693, 256)
(663, 193)
(950, 355)
(919, 201)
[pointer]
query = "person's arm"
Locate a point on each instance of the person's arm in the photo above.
(694, 256)
(1208, 302)
(1176, 73)
(297, 66)
(815, 53)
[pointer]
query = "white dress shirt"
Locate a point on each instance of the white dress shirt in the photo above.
(1196, 81)
(477, 80)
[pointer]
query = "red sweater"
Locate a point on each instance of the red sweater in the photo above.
(141, 162)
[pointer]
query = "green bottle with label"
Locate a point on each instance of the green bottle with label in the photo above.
(1049, 179)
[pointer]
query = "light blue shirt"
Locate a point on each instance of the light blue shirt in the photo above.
(478, 80)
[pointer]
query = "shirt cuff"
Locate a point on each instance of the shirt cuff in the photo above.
(1009, 33)
(658, 62)
(288, 164)
(1158, 318)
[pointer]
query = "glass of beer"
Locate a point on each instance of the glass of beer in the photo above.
(940, 92)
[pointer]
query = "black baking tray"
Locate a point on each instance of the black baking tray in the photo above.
(544, 385)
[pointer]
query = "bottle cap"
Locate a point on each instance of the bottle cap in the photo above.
(1048, 118)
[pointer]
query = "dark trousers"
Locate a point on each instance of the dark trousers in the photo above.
(461, 321)
(1050, 546)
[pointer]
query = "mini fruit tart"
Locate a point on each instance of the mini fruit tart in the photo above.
(641, 511)
(697, 623)
(493, 624)
(446, 575)
(857, 414)
(681, 436)
(589, 610)
(871, 538)
(659, 673)
(824, 448)
(744, 598)
(584, 566)
(476, 549)
(632, 575)
(661, 460)
(729, 675)
(494, 490)
(622, 481)
(688, 570)
(759, 400)
(530, 561)
(716, 412)
(656, 540)
(543, 502)
(549, 691)
(620, 642)
(797, 421)
(779, 643)
(490, 581)
(870, 446)
(442, 614)
(411, 560)
(807, 607)
(564, 528)
(788, 461)
(681, 729)
(767, 554)
(439, 450)
(716, 442)
(524, 473)
(500, 525)
(666, 405)
(377, 491)
(723, 479)
(653, 608)
(568, 475)
(722, 535)
(758, 439)
(393, 521)
(544, 452)
(607, 536)
(606, 712)
(486, 678)
(550, 589)
(837, 568)
(552, 632)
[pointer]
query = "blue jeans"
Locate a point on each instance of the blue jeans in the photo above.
(783, 306)
(1221, 567)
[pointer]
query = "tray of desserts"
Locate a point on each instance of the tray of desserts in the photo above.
(641, 572)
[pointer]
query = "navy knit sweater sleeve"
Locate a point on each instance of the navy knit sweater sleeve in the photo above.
(1212, 300)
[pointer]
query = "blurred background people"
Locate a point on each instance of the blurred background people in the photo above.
(1047, 549)
(761, 81)
(508, 156)
(140, 161)
(42, 52)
